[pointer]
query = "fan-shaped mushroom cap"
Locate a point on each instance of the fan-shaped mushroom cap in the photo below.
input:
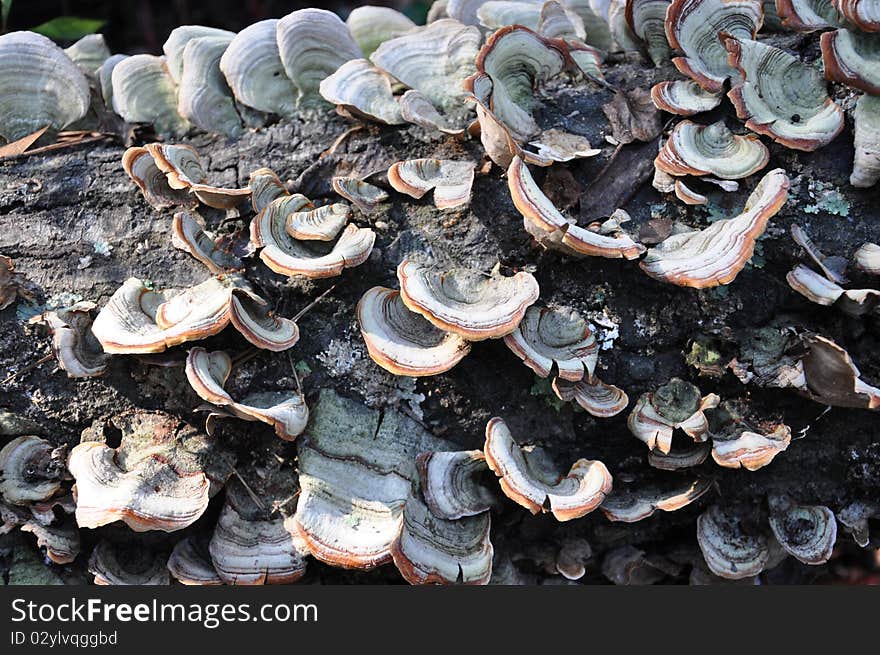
(363, 90)
(820, 290)
(631, 505)
(89, 53)
(450, 180)
(694, 149)
(676, 405)
(684, 97)
(159, 478)
(143, 92)
(715, 255)
(550, 19)
(204, 98)
(434, 59)
(735, 444)
(179, 38)
(371, 26)
(687, 195)
(867, 258)
(401, 341)
(115, 564)
(61, 543)
(806, 532)
(75, 347)
(188, 234)
(30, 470)
(250, 548)
(466, 302)
(866, 162)
(540, 216)
(362, 195)
(834, 267)
(432, 550)
(452, 485)
(265, 187)
(190, 563)
(105, 78)
(318, 224)
(138, 163)
(567, 497)
(832, 378)
(357, 470)
(288, 256)
(40, 86)
(558, 21)
(865, 14)
(285, 411)
(693, 26)
(782, 97)
(729, 550)
(854, 519)
(253, 69)
(647, 20)
(852, 58)
(547, 337)
(807, 15)
(679, 458)
(596, 397)
(415, 108)
(184, 170)
(312, 44)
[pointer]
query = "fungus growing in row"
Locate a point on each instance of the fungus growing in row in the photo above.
(174, 47)
(631, 505)
(89, 53)
(363, 195)
(415, 108)
(127, 564)
(138, 320)
(807, 15)
(715, 255)
(547, 224)
(433, 59)
(312, 44)
(867, 258)
(253, 69)
(144, 92)
(450, 180)
(371, 26)
(555, 337)
(737, 443)
(864, 14)
(684, 97)
(550, 19)
(140, 166)
(467, 302)
(529, 483)
(806, 532)
(76, 349)
(204, 98)
(41, 86)
(160, 477)
(830, 376)
(402, 341)
(184, 170)
(866, 139)
(453, 483)
(188, 234)
(558, 21)
(693, 26)
(31, 470)
(852, 58)
(265, 186)
(730, 548)
(677, 405)
(782, 97)
(694, 149)
(647, 20)
(285, 411)
(363, 90)
(190, 563)
(598, 398)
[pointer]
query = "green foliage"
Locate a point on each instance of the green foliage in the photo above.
(5, 6)
(544, 389)
(68, 28)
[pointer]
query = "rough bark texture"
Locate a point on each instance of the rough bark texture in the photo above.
(54, 208)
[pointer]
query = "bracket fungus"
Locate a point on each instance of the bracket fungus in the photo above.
(31, 470)
(806, 532)
(830, 376)
(453, 483)
(402, 341)
(632, 505)
(864, 14)
(866, 137)
(731, 549)
(598, 398)
(89, 53)
(190, 563)
(852, 58)
(188, 234)
(647, 20)
(560, 338)
(528, 483)
(144, 92)
(285, 411)
(451, 181)
(41, 86)
(856, 518)
(160, 477)
(694, 149)
(371, 26)
(684, 97)
(265, 186)
(127, 564)
(60, 543)
(693, 27)
(76, 349)
(184, 170)
(677, 405)
(362, 90)
(736, 443)
(807, 15)
(415, 108)
(782, 97)
(140, 166)
(547, 224)
(823, 291)
(467, 302)
(715, 255)
(138, 320)
(867, 258)
(363, 195)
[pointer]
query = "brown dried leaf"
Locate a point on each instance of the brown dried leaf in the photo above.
(633, 116)
(18, 147)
